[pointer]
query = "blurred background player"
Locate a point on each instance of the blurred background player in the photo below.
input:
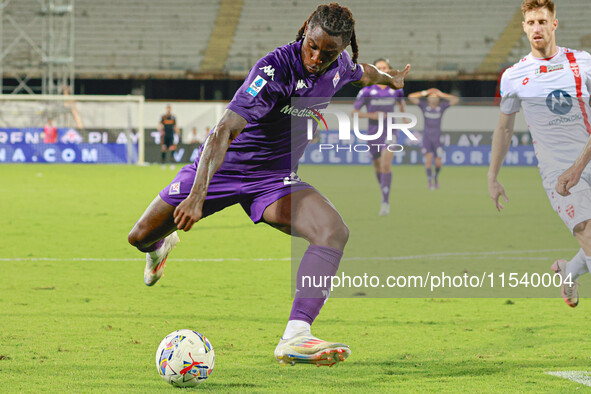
(380, 99)
(71, 105)
(198, 138)
(49, 132)
(169, 135)
(430, 103)
(551, 83)
(251, 158)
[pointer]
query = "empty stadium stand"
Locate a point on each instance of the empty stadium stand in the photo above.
(129, 36)
(167, 39)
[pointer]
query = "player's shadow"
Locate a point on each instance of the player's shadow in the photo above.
(225, 387)
(480, 365)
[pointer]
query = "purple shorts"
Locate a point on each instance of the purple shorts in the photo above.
(432, 145)
(254, 191)
(380, 144)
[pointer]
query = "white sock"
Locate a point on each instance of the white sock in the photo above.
(588, 263)
(295, 327)
(154, 254)
(578, 265)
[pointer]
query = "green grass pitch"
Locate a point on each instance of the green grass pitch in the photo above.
(76, 316)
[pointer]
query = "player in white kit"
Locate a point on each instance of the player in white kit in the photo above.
(552, 85)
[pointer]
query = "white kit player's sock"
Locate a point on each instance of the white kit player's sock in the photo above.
(578, 265)
(588, 263)
(295, 327)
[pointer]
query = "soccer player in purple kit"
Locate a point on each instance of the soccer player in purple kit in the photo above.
(251, 157)
(433, 109)
(380, 99)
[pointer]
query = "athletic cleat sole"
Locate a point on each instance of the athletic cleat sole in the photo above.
(327, 358)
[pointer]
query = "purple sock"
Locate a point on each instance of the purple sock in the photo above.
(437, 172)
(379, 177)
(313, 286)
(152, 247)
(429, 174)
(385, 184)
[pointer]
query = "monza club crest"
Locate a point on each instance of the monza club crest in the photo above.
(575, 69)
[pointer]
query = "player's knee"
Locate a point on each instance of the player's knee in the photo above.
(135, 237)
(334, 235)
(345, 234)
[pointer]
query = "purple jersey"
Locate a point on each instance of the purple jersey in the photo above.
(267, 143)
(259, 166)
(378, 99)
(433, 118)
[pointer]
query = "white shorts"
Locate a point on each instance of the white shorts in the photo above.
(572, 209)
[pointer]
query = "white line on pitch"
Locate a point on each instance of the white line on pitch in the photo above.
(459, 254)
(583, 377)
(386, 258)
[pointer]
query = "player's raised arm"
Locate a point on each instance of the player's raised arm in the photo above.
(453, 100)
(373, 76)
(415, 97)
(190, 210)
(500, 146)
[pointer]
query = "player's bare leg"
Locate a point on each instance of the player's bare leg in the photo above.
(315, 219)
(155, 234)
(428, 164)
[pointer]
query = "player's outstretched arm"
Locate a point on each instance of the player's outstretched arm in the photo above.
(373, 76)
(572, 175)
(500, 146)
(190, 210)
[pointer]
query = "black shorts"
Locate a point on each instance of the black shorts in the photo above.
(168, 140)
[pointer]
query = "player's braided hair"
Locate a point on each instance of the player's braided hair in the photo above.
(336, 21)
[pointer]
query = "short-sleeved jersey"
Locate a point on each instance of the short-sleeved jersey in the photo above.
(264, 101)
(432, 117)
(378, 99)
(554, 95)
(169, 122)
(50, 134)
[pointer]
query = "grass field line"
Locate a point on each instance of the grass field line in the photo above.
(467, 254)
(583, 377)
(500, 254)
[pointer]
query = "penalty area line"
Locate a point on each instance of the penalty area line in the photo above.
(498, 254)
(582, 377)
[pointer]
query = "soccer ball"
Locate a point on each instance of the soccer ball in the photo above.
(185, 358)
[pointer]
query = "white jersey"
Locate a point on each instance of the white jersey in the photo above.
(554, 95)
